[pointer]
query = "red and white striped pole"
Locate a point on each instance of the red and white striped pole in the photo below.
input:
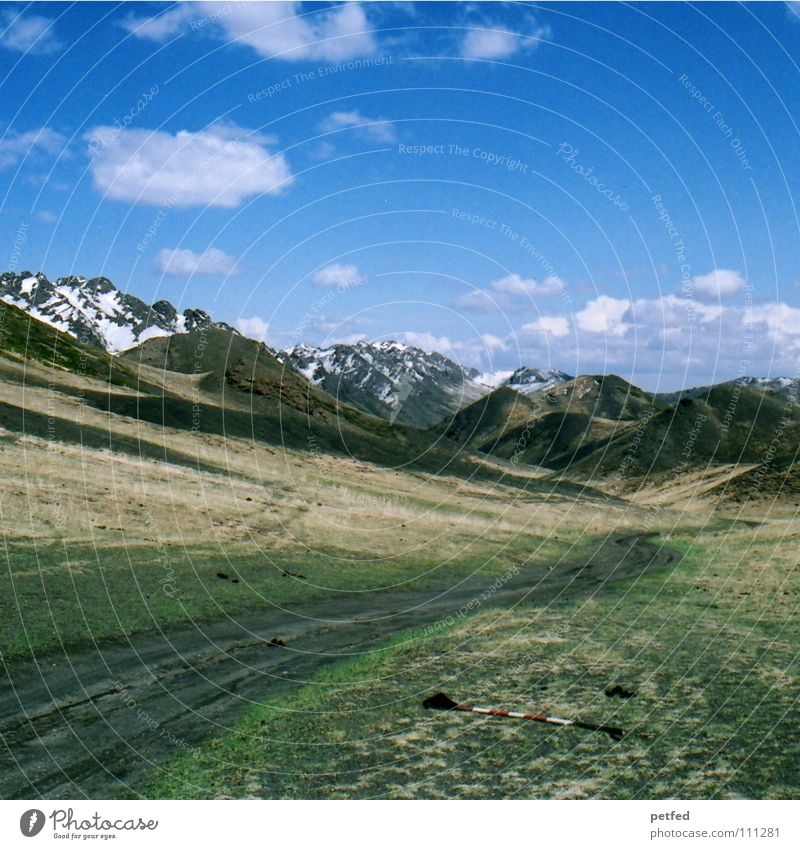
(443, 702)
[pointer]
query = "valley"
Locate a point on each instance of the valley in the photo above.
(200, 542)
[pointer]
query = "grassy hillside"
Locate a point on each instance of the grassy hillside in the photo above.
(556, 428)
(240, 390)
(491, 420)
(600, 396)
(138, 497)
(483, 423)
(557, 440)
(595, 428)
(243, 391)
(764, 484)
(23, 337)
(732, 425)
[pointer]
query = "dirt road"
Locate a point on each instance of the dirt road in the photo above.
(92, 723)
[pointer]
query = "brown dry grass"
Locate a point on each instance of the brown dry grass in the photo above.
(711, 650)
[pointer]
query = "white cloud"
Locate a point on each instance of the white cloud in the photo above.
(779, 319)
(322, 151)
(493, 343)
(671, 311)
(28, 33)
(513, 284)
(507, 290)
(428, 342)
(489, 44)
(494, 41)
(604, 315)
(477, 299)
(553, 325)
(326, 325)
(794, 9)
(15, 146)
(220, 166)
(334, 34)
(176, 262)
(162, 26)
(719, 282)
(293, 31)
(253, 327)
(553, 283)
(281, 29)
(339, 276)
(373, 128)
(678, 341)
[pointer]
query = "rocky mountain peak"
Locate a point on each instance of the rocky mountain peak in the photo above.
(96, 312)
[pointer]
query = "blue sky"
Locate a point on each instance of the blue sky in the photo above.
(592, 187)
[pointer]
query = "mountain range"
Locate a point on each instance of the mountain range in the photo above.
(163, 399)
(388, 401)
(785, 386)
(397, 382)
(389, 379)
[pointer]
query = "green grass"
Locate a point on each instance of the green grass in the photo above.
(75, 594)
(710, 648)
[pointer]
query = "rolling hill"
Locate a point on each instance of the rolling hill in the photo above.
(730, 425)
(555, 427)
(784, 386)
(23, 337)
(240, 389)
(602, 427)
(172, 397)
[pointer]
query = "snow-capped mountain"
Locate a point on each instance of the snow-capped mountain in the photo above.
(532, 381)
(389, 379)
(402, 383)
(96, 312)
(781, 385)
(525, 380)
(784, 386)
